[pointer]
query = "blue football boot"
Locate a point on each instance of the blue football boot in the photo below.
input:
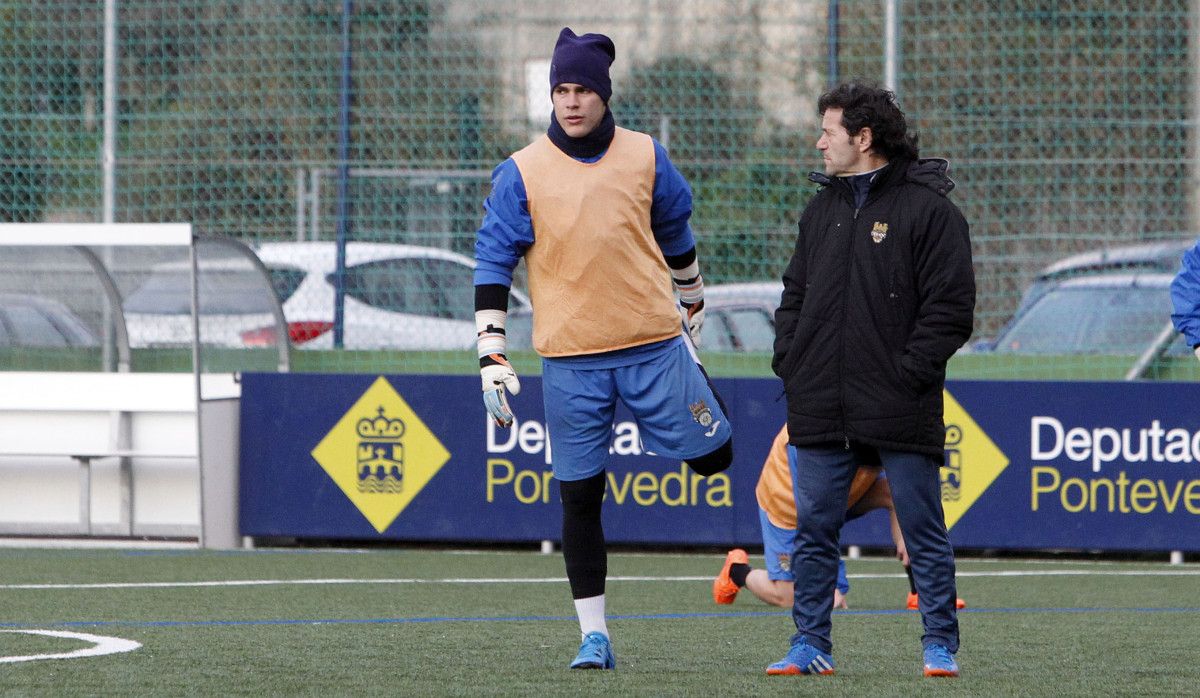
(595, 653)
(802, 659)
(939, 661)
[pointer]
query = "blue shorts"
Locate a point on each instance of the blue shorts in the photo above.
(777, 553)
(677, 414)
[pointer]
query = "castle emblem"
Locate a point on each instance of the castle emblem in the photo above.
(380, 455)
(879, 232)
(701, 413)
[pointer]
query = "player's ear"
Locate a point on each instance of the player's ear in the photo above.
(864, 139)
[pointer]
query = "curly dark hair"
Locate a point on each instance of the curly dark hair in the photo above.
(865, 104)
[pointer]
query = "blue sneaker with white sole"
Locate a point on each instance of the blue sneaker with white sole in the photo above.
(939, 661)
(595, 653)
(803, 659)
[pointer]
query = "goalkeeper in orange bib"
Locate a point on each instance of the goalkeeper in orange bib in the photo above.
(777, 516)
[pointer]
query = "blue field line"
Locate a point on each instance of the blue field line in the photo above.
(527, 619)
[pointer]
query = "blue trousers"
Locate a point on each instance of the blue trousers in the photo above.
(821, 478)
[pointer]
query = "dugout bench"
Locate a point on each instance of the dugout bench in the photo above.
(117, 454)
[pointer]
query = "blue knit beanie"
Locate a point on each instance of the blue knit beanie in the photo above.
(583, 60)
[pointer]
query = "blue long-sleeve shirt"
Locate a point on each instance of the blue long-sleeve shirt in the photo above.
(1185, 297)
(507, 229)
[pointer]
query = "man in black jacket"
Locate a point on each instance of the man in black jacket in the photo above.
(878, 295)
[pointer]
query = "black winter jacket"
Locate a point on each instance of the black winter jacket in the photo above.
(875, 301)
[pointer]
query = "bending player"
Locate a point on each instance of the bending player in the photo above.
(777, 516)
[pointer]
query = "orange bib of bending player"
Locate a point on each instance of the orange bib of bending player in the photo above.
(774, 490)
(864, 478)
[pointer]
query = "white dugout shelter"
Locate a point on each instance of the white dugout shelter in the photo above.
(118, 378)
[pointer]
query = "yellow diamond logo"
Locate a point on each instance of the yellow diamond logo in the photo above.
(381, 454)
(973, 462)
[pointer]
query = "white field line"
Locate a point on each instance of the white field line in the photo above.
(101, 645)
(118, 544)
(94, 544)
(864, 558)
(721, 556)
(560, 580)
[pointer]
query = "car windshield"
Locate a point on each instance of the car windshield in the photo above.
(40, 324)
(430, 286)
(1090, 320)
(229, 291)
(752, 328)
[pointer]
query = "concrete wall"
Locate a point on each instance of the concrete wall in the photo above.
(772, 48)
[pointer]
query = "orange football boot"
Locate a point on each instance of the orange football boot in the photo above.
(724, 590)
(913, 600)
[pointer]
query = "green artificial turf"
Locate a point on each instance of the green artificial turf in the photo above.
(483, 623)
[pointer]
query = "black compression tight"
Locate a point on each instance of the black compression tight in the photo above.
(583, 535)
(713, 462)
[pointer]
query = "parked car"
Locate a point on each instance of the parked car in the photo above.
(738, 317)
(35, 321)
(396, 297)
(1161, 257)
(1115, 314)
(235, 299)
(1153, 257)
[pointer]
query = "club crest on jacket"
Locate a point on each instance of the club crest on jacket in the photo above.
(879, 232)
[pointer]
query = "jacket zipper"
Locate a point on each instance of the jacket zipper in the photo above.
(842, 362)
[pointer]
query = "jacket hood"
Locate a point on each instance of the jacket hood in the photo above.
(928, 172)
(931, 174)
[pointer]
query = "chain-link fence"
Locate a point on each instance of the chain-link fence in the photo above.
(1069, 127)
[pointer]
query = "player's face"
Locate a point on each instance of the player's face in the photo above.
(844, 154)
(577, 109)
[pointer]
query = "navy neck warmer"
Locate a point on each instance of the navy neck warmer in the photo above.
(588, 146)
(860, 185)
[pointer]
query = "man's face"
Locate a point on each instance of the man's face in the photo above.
(844, 154)
(577, 109)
